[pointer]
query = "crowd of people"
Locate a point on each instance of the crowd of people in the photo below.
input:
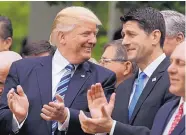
(55, 88)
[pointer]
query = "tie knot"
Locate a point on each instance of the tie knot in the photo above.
(142, 75)
(70, 67)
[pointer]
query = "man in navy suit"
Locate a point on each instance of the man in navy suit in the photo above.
(170, 119)
(139, 98)
(63, 78)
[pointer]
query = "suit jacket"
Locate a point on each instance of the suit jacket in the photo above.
(162, 118)
(35, 76)
(154, 95)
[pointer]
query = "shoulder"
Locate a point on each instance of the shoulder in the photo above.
(169, 105)
(95, 68)
(27, 62)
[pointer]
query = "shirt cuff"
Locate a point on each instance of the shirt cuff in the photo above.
(64, 126)
(15, 124)
(101, 134)
(113, 127)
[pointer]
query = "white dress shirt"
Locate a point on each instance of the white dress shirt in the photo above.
(58, 70)
(148, 71)
(169, 124)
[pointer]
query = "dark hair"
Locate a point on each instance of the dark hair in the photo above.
(34, 48)
(120, 53)
(6, 27)
(149, 19)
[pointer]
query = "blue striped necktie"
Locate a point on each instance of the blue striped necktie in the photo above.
(62, 88)
(137, 93)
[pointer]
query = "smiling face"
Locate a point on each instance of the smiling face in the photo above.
(77, 45)
(177, 71)
(137, 42)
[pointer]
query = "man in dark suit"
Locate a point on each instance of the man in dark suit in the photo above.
(139, 98)
(170, 119)
(51, 90)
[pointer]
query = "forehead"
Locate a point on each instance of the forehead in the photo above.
(109, 52)
(131, 26)
(85, 25)
(179, 52)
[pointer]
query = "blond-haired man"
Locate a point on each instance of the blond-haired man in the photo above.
(51, 90)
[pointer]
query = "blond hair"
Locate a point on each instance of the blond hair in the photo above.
(67, 18)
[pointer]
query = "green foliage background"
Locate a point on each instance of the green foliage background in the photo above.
(18, 13)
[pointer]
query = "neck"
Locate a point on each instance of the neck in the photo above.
(70, 57)
(147, 60)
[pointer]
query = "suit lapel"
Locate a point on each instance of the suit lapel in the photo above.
(180, 127)
(165, 117)
(127, 99)
(150, 85)
(120, 113)
(44, 78)
(80, 76)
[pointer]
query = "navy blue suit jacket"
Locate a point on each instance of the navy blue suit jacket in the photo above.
(162, 118)
(155, 94)
(35, 76)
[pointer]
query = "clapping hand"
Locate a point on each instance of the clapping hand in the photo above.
(100, 110)
(18, 103)
(55, 110)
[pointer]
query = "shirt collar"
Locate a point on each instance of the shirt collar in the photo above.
(58, 62)
(152, 67)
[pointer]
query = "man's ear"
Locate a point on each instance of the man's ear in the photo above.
(61, 37)
(155, 36)
(128, 68)
(180, 37)
(7, 43)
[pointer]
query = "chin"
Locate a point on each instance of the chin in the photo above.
(175, 91)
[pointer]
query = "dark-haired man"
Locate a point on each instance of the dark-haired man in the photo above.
(139, 98)
(115, 58)
(38, 49)
(6, 33)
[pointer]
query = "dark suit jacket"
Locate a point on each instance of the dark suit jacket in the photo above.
(154, 95)
(35, 76)
(162, 118)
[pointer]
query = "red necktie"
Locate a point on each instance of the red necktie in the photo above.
(177, 118)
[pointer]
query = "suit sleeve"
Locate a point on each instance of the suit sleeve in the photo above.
(74, 124)
(6, 115)
(125, 129)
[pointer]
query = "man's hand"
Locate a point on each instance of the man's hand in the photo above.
(55, 110)
(18, 103)
(100, 110)
(96, 125)
(96, 99)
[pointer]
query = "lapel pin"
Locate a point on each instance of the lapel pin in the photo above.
(153, 79)
(83, 76)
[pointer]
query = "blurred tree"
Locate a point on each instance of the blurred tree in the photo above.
(161, 5)
(18, 13)
(100, 8)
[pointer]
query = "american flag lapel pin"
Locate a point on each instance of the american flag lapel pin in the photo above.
(154, 79)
